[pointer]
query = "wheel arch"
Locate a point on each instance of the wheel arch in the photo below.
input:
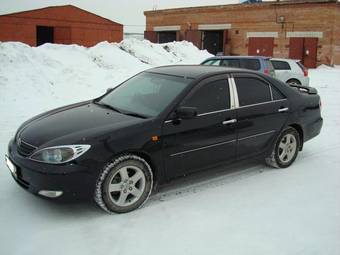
(147, 157)
(293, 79)
(299, 129)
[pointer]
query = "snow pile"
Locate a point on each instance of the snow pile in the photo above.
(164, 54)
(56, 75)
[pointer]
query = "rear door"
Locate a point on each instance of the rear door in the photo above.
(209, 138)
(261, 113)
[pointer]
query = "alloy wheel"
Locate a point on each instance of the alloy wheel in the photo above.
(126, 186)
(287, 148)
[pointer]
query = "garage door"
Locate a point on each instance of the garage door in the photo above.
(261, 46)
(304, 49)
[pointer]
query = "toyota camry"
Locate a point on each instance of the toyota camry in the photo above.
(158, 125)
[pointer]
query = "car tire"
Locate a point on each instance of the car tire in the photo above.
(124, 184)
(294, 82)
(285, 149)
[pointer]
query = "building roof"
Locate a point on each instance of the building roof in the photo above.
(231, 6)
(59, 7)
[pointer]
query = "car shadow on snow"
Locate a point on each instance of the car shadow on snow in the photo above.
(208, 179)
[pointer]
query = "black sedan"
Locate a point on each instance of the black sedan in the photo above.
(162, 123)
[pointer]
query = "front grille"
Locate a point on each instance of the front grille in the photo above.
(24, 149)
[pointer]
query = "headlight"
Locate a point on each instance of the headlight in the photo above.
(60, 154)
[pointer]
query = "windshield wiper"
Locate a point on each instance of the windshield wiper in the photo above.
(134, 114)
(108, 106)
(122, 112)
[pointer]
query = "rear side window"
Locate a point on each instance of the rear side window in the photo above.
(252, 64)
(277, 95)
(280, 65)
(231, 63)
(210, 97)
(303, 68)
(252, 91)
(212, 62)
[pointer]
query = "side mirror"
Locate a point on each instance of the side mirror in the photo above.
(109, 90)
(186, 112)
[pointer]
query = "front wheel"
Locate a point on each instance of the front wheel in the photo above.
(124, 185)
(285, 150)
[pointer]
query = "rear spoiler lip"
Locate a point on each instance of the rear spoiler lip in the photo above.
(309, 90)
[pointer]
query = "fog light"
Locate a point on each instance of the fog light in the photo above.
(50, 193)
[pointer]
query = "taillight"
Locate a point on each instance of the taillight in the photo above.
(304, 69)
(266, 71)
(305, 72)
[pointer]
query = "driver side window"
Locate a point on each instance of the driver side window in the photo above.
(210, 97)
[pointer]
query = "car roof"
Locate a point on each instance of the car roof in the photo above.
(239, 57)
(193, 71)
(285, 59)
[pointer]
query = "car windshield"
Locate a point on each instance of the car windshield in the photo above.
(146, 94)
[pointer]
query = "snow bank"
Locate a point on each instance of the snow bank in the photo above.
(56, 75)
(164, 54)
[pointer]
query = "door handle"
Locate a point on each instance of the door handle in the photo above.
(226, 122)
(285, 109)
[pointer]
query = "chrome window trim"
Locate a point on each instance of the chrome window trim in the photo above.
(231, 93)
(271, 92)
(240, 107)
(259, 134)
(208, 113)
(273, 101)
(237, 104)
(202, 148)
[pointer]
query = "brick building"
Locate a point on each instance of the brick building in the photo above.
(304, 29)
(59, 24)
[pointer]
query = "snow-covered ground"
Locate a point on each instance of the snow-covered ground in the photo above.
(243, 209)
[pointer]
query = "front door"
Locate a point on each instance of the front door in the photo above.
(262, 112)
(205, 140)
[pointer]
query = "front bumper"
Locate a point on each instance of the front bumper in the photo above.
(73, 180)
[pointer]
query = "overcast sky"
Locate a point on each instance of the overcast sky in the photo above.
(127, 12)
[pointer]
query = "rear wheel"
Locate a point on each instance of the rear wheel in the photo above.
(285, 150)
(124, 185)
(294, 82)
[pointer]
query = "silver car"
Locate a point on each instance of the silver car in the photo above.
(290, 71)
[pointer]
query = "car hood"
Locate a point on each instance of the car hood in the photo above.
(77, 122)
